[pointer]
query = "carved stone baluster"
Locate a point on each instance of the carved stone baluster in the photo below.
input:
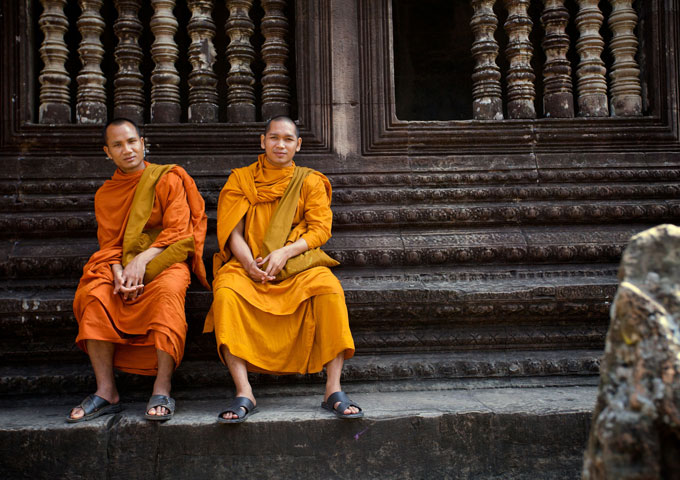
(91, 98)
(486, 90)
(521, 92)
(558, 100)
(240, 53)
(626, 99)
(165, 106)
(202, 79)
(128, 96)
(275, 94)
(592, 85)
(55, 98)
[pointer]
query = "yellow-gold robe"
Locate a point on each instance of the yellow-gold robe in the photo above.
(293, 326)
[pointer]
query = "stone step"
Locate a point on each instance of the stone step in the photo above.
(33, 379)
(381, 215)
(511, 428)
(442, 247)
(395, 310)
(411, 186)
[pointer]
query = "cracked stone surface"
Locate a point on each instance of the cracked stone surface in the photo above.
(481, 429)
(635, 432)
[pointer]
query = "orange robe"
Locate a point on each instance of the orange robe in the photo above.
(293, 326)
(156, 318)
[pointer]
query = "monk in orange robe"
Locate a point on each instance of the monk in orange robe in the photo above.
(130, 300)
(295, 325)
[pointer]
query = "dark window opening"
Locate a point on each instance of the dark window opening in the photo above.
(432, 61)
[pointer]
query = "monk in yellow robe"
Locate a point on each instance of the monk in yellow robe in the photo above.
(130, 300)
(295, 325)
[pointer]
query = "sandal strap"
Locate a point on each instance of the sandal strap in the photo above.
(92, 403)
(235, 407)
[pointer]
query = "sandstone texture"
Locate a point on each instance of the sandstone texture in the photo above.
(635, 432)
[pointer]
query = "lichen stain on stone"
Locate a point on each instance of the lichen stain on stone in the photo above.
(26, 305)
(207, 55)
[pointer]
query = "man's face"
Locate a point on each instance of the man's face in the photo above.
(280, 143)
(125, 147)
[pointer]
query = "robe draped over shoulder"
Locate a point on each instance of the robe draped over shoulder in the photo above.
(280, 325)
(156, 318)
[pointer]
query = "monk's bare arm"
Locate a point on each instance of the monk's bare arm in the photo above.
(239, 248)
(277, 259)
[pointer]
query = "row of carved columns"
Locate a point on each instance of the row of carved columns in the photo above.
(593, 98)
(558, 100)
(129, 100)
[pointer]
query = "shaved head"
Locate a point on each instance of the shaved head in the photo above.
(119, 121)
(282, 118)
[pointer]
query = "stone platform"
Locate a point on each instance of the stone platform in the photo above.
(522, 428)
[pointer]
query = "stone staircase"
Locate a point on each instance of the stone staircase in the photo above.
(454, 281)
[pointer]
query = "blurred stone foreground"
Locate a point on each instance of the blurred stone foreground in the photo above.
(635, 432)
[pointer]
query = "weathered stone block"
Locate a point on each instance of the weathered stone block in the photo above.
(636, 424)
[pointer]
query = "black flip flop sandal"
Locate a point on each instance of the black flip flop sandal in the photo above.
(94, 406)
(160, 401)
(345, 403)
(242, 407)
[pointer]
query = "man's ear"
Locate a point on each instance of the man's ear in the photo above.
(262, 142)
(299, 145)
(106, 151)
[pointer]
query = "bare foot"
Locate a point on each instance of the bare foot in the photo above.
(160, 410)
(232, 415)
(348, 411)
(78, 412)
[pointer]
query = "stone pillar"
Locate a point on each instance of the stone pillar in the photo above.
(240, 53)
(55, 98)
(521, 92)
(202, 79)
(275, 94)
(558, 99)
(486, 78)
(165, 106)
(592, 85)
(626, 99)
(128, 96)
(91, 98)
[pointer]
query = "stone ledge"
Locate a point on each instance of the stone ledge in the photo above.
(441, 246)
(479, 430)
(548, 364)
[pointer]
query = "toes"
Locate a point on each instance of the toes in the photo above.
(77, 413)
(351, 410)
(232, 415)
(160, 411)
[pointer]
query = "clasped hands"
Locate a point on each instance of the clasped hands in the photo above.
(129, 281)
(274, 262)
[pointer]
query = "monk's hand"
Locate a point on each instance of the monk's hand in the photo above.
(117, 270)
(256, 273)
(119, 283)
(133, 273)
(133, 277)
(275, 261)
